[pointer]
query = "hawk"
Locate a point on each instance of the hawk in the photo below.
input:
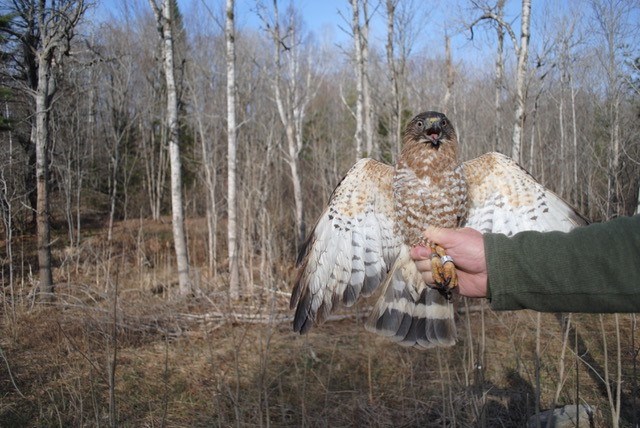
(362, 240)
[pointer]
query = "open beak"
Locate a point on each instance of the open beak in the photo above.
(433, 134)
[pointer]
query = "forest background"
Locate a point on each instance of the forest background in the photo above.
(162, 162)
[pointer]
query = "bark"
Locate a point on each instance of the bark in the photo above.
(450, 79)
(292, 99)
(355, 25)
(55, 36)
(372, 148)
(499, 78)
(396, 114)
(521, 74)
(164, 18)
(43, 94)
(575, 188)
(610, 21)
(232, 228)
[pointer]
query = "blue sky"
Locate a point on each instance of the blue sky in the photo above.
(320, 16)
(323, 19)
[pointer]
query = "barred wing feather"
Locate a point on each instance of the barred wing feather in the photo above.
(351, 247)
(504, 198)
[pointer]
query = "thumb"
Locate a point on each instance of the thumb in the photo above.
(437, 235)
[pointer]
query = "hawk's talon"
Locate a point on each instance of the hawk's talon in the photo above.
(446, 293)
(443, 270)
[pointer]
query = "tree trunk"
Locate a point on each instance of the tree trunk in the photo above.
(232, 228)
(449, 82)
(164, 17)
(499, 79)
(638, 202)
(43, 94)
(357, 35)
(372, 148)
(575, 188)
(292, 99)
(396, 114)
(523, 50)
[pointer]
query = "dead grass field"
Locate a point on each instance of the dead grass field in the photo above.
(118, 348)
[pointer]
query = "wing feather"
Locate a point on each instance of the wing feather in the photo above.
(353, 243)
(504, 198)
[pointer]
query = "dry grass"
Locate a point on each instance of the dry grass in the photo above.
(190, 363)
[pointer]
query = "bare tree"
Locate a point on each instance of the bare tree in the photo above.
(364, 105)
(522, 54)
(402, 33)
(48, 30)
(164, 18)
(450, 75)
(521, 71)
(394, 77)
(355, 26)
(610, 18)
(232, 146)
(294, 88)
(499, 76)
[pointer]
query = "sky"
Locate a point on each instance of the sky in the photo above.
(322, 17)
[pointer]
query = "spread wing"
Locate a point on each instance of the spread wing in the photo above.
(351, 248)
(504, 198)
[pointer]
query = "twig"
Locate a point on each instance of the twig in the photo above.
(13, 382)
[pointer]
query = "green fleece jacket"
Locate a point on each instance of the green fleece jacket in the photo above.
(590, 269)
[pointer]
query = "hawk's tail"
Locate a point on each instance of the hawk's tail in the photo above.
(411, 313)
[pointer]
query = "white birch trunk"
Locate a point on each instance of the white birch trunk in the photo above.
(499, 79)
(355, 25)
(164, 18)
(372, 149)
(396, 113)
(523, 51)
(563, 143)
(574, 126)
(450, 80)
(232, 146)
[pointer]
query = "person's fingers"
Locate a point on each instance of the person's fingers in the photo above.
(424, 267)
(420, 252)
(438, 235)
(427, 277)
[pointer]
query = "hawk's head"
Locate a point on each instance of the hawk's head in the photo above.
(430, 128)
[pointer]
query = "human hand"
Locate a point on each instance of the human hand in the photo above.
(466, 247)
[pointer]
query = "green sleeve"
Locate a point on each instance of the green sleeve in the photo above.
(590, 269)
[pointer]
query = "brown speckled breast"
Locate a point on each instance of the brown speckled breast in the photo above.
(428, 198)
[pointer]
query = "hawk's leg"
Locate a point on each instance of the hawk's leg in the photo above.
(443, 270)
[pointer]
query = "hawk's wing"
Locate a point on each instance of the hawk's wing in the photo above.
(352, 246)
(504, 198)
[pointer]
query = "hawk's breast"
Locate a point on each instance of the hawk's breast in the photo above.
(430, 200)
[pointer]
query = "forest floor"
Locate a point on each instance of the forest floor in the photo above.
(117, 347)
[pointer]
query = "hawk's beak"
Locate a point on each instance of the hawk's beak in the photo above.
(434, 134)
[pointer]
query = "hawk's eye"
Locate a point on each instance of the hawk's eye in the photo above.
(419, 124)
(443, 123)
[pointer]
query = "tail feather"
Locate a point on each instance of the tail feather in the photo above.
(409, 312)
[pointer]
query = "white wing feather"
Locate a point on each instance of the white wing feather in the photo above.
(353, 243)
(504, 198)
